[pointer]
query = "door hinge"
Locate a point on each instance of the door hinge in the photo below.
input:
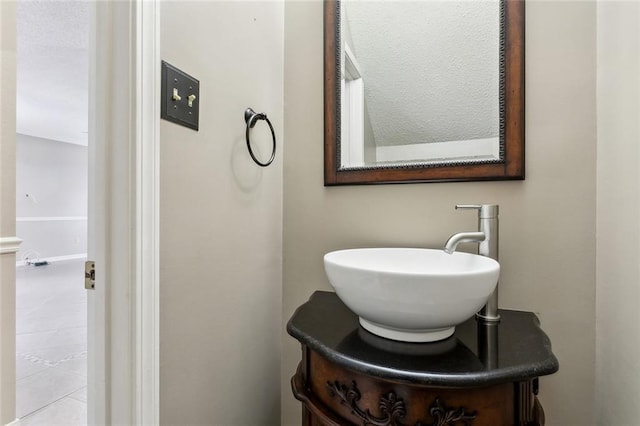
(89, 275)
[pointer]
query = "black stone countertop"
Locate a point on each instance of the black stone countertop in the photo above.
(515, 349)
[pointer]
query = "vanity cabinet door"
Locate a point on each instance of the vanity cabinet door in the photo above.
(363, 399)
(335, 396)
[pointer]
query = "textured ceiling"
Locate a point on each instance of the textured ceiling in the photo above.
(430, 68)
(53, 69)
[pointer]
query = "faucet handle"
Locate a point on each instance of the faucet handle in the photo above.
(468, 206)
(485, 211)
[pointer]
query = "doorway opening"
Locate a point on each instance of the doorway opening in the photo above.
(51, 211)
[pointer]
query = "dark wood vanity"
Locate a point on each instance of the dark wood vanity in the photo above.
(482, 375)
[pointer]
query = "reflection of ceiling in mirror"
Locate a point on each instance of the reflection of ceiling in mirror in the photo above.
(430, 68)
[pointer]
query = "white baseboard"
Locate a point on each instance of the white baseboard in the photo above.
(57, 258)
(16, 422)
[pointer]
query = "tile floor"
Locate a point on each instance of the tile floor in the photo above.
(51, 344)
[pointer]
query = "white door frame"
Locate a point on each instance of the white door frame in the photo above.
(123, 237)
(148, 213)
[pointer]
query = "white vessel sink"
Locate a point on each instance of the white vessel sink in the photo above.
(411, 295)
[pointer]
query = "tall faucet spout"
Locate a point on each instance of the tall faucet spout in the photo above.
(463, 237)
(487, 238)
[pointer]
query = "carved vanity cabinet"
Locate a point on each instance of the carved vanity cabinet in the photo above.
(482, 375)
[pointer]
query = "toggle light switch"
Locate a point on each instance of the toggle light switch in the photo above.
(180, 97)
(177, 97)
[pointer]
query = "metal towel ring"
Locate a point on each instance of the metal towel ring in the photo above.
(251, 117)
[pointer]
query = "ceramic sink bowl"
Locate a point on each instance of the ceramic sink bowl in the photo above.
(411, 294)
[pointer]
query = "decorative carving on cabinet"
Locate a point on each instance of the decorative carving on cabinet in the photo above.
(393, 408)
(445, 416)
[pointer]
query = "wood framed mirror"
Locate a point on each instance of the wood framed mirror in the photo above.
(429, 101)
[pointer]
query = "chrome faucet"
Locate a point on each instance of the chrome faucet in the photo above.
(487, 239)
(463, 237)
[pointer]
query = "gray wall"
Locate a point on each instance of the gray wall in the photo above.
(547, 221)
(221, 220)
(51, 184)
(618, 275)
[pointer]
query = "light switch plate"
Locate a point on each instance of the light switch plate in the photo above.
(180, 98)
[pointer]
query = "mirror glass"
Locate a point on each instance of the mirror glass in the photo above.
(425, 90)
(419, 82)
